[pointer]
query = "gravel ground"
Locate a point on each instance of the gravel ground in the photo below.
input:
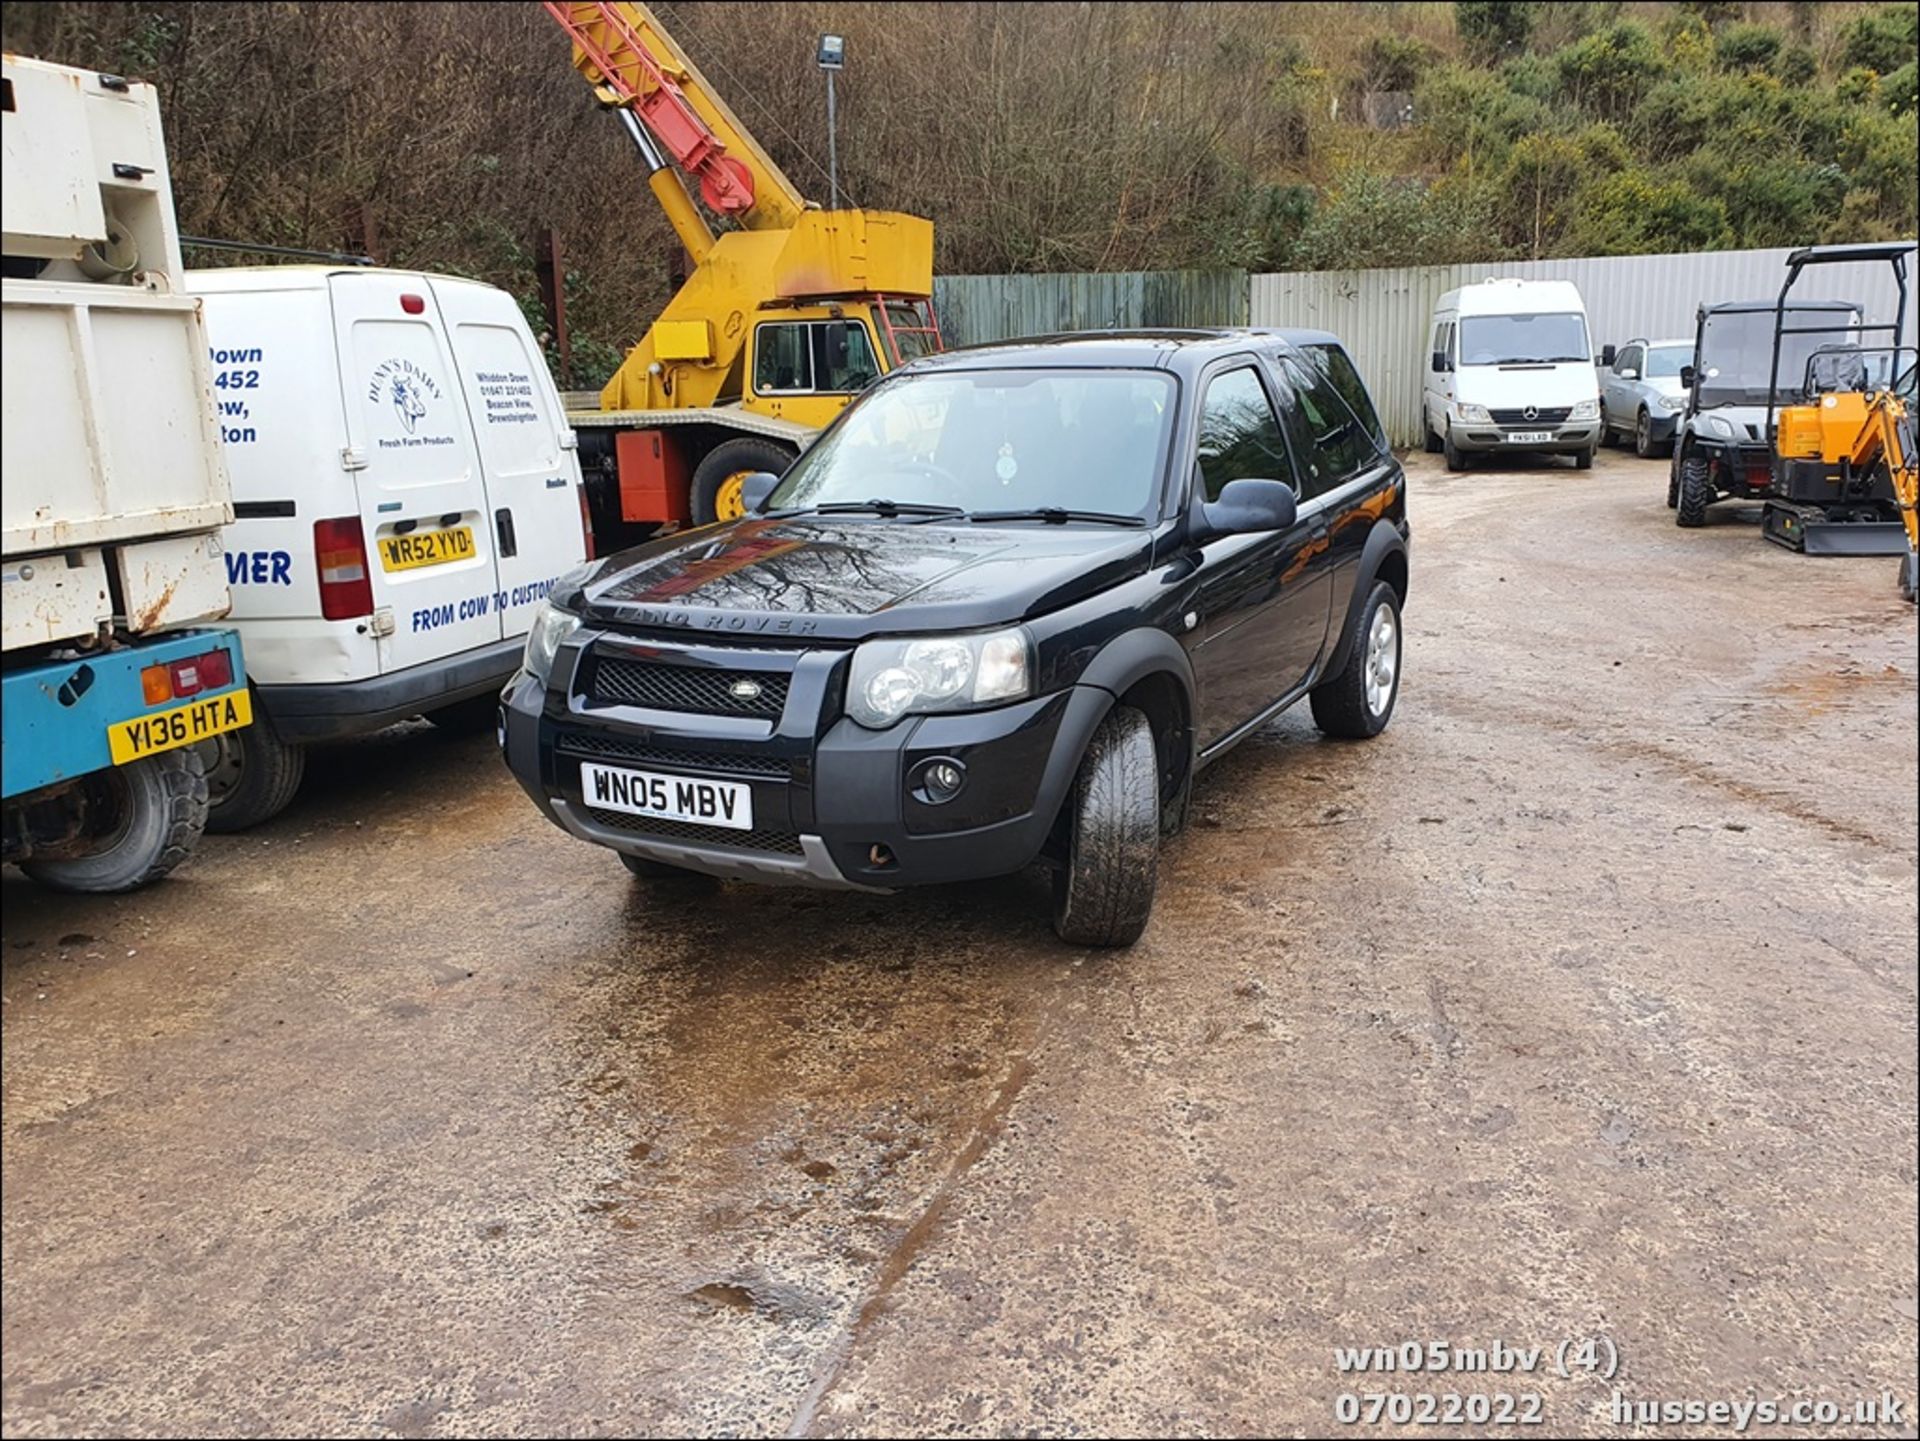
(1580, 1005)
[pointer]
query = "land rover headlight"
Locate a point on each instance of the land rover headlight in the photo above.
(550, 628)
(1720, 426)
(1585, 410)
(1475, 414)
(893, 678)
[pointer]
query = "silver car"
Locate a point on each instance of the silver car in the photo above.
(1641, 394)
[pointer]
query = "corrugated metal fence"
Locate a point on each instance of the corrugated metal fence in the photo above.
(1383, 315)
(978, 309)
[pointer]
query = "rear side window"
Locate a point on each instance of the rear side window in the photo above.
(1239, 437)
(1329, 444)
(1337, 367)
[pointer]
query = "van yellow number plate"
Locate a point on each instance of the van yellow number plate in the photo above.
(147, 735)
(426, 547)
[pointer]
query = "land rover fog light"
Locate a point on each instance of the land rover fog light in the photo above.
(941, 780)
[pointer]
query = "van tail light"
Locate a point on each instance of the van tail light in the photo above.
(346, 589)
(586, 519)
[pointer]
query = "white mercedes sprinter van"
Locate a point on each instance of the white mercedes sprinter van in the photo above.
(405, 491)
(1511, 368)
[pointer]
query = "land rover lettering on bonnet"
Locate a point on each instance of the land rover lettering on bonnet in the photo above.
(1001, 613)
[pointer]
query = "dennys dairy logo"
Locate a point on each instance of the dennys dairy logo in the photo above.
(407, 387)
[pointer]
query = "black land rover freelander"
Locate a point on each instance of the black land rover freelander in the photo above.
(1002, 610)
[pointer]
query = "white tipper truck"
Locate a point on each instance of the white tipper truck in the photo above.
(112, 495)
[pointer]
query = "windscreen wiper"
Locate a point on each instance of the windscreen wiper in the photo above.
(1055, 515)
(888, 508)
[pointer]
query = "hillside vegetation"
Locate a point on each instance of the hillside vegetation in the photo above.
(1042, 136)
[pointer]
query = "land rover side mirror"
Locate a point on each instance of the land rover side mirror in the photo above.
(1246, 506)
(1628, 374)
(1687, 377)
(755, 488)
(1607, 353)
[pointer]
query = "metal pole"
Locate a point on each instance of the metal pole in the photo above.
(833, 151)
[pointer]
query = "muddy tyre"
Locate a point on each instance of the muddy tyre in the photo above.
(1695, 492)
(1431, 442)
(1456, 458)
(1103, 893)
(1357, 703)
(252, 776)
(151, 815)
(716, 479)
(1583, 459)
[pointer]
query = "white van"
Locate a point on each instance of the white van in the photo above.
(1510, 367)
(405, 491)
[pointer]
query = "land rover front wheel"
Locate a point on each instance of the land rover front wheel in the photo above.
(1103, 893)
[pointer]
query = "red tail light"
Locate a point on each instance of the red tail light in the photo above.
(346, 590)
(216, 669)
(586, 519)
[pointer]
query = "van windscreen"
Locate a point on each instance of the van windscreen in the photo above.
(1524, 339)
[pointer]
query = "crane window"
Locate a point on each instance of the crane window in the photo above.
(812, 357)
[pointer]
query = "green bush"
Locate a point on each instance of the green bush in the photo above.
(1797, 65)
(1470, 119)
(1882, 40)
(1746, 47)
(1395, 62)
(1370, 220)
(1633, 214)
(1897, 90)
(1607, 73)
(1493, 28)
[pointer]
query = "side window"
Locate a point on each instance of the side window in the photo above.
(812, 357)
(1239, 437)
(1329, 446)
(1630, 359)
(842, 356)
(781, 359)
(1453, 351)
(1337, 366)
(1439, 345)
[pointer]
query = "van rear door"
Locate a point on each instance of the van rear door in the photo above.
(423, 507)
(526, 448)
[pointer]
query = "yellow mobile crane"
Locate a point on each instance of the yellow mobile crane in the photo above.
(781, 322)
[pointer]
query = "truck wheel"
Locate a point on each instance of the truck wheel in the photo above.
(1583, 459)
(1103, 895)
(716, 479)
(1456, 461)
(1358, 703)
(476, 715)
(1431, 444)
(1695, 492)
(252, 776)
(148, 816)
